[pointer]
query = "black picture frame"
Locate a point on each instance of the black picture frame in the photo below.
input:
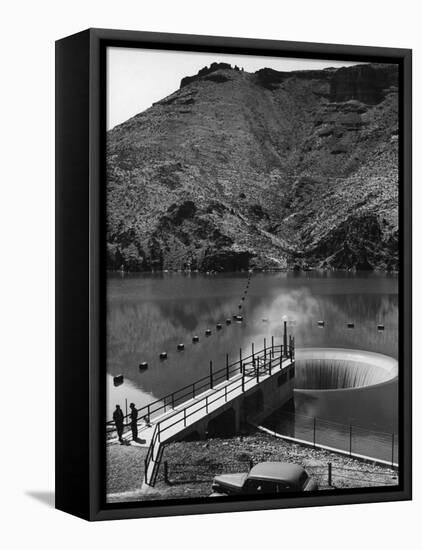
(80, 271)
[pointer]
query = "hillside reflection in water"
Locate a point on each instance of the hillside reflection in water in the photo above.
(150, 313)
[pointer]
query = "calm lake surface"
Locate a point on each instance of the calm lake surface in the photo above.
(150, 313)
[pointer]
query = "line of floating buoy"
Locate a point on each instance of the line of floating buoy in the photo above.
(239, 317)
(195, 339)
(119, 379)
(349, 325)
(245, 292)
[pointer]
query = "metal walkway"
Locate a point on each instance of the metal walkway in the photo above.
(169, 417)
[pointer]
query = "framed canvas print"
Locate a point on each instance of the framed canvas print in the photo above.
(233, 274)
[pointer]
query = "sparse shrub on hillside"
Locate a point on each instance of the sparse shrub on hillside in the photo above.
(269, 170)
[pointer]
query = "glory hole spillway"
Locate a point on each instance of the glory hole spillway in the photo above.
(347, 385)
(337, 369)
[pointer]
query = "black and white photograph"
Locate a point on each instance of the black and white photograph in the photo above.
(252, 276)
(210, 237)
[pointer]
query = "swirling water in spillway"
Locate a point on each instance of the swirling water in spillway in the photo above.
(335, 374)
(347, 386)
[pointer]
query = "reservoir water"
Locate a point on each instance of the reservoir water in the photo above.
(151, 313)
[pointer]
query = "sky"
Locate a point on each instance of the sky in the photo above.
(136, 78)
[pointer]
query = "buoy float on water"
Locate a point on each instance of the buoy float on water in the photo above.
(208, 332)
(163, 355)
(118, 380)
(180, 347)
(380, 327)
(350, 325)
(321, 323)
(228, 321)
(143, 365)
(218, 326)
(195, 339)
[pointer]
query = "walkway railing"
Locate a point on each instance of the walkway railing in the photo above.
(239, 377)
(190, 391)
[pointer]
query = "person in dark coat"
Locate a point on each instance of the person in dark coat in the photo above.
(134, 421)
(118, 420)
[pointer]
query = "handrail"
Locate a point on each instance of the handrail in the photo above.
(208, 402)
(162, 403)
(177, 411)
(241, 383)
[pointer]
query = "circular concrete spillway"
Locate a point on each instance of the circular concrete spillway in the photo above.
(340, 369)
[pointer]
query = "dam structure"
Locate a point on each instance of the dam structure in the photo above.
(264, 380)
(219, 404)
(251, 389)
(343, 402)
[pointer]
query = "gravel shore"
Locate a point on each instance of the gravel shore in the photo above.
(191, 466)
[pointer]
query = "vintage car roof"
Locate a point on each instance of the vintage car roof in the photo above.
(276, 471)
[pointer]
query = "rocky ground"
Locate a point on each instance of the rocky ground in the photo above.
(240, 170)
(192, 465)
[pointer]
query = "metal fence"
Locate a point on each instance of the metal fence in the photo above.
(349, 438)
(327, 475)
(174, 473)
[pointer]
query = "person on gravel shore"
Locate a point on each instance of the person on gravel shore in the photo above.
(118, 420)
(134, 421)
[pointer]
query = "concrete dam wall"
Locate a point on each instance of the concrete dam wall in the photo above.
(336, 369)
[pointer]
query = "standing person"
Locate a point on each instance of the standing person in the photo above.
(118, 420)
(134, 421)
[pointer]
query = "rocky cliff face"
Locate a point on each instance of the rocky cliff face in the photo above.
(268, 170)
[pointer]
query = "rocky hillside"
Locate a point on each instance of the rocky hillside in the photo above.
(287, 170)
